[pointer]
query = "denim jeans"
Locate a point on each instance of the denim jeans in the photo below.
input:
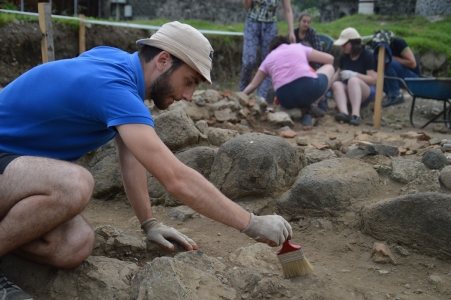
(256, 34)
(391, 87)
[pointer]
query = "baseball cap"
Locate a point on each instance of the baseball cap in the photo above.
(186, 43)
(346, 35)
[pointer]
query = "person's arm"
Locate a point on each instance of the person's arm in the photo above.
(247, 4)
(336, 76)
(134, 177)
(321, 57)
(289, 17)
(369, 78)
(195, 191)
(255, 83)
(407, 59)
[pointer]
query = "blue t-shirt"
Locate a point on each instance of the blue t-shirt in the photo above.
(66, 108)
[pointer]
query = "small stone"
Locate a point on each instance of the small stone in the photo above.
(434, 279)
(345, 271)
(301, 142)
(401, 250)
(288, 134)
(382, 254)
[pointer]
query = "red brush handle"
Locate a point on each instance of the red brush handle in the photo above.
(288, 247)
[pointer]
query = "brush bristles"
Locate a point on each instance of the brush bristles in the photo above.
(295, 264)
(297, 268)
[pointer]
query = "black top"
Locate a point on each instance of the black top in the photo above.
(398, 45)
(360, 65)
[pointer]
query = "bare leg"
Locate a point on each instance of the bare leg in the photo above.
(66, 246)
(339, 90)
(39, 201)
(329, 71)
(357, 91)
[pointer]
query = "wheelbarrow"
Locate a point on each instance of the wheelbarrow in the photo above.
(431, 88)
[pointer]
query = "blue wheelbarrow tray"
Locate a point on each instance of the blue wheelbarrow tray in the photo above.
(430, 88)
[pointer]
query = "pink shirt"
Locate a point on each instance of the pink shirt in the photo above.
(287, 63)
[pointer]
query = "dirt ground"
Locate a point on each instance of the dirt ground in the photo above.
(340, 254)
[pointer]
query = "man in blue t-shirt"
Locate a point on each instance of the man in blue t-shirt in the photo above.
(57, 112)
(404, 64)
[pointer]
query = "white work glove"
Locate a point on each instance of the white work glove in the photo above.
(346, 74)
(160, 234)
(271, 229)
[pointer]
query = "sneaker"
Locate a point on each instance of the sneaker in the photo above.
(342, 117)
(393, 101)
(355, 120)
(10, 291)
(306, 120)
(316, 111)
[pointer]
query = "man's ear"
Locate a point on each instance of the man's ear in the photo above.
(163, 60)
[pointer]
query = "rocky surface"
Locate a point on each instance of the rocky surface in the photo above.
(371, 208)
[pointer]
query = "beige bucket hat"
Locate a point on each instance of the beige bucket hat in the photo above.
(346, 35)
(186, 43)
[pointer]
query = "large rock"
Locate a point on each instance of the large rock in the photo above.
(189, 275)
(329, 185)
(198, 158)
(176, 130)
(104, 167)
(98, 277)
(445, 177)
(254, 164)
(218, 136)
(421, 221)
(405, 170)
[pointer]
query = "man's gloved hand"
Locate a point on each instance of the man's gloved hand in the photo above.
(346, 74)
(271, 229)
(160, 234)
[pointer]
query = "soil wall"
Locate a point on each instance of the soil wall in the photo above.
(20, 48)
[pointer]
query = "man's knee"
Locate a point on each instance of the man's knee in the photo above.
(80, 187)
(75, 251)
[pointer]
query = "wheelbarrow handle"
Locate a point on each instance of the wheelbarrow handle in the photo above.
(403, 83)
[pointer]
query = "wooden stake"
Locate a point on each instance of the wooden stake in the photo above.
(379, 87)
(81, 35)
(45, 24)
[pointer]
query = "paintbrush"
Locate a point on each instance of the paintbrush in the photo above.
(293, 260)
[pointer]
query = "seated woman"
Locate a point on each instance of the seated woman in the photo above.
(355, 79)
(308, 36)
(296, 85)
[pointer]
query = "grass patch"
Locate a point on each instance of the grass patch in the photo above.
(420, 33)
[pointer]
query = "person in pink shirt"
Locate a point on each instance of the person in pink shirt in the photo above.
(296, 85)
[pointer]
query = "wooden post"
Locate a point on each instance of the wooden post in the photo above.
(45, 24)
(379, 87)
(81, 35)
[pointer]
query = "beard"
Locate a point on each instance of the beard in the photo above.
(161, 90)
